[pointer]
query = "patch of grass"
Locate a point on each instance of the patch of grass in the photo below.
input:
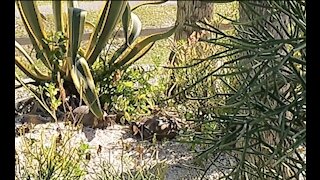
(44, 3)
(157, 16)
(158, 55)
(229, 10)
(38, 159)
(154, 172)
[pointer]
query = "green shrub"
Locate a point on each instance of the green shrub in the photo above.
(192, 87)
(137, 92)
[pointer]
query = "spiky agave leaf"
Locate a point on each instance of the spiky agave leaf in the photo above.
(30, 69)
(110, 15)
(58, 15)
(131, 25)
(80, 71)
(31, 19)
(131, 28)
(84, 83)
(138, 48)
(76, 27)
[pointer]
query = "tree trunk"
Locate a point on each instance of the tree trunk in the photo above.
(190, 12)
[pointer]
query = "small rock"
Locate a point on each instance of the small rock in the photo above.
(34, 119)
(161, 127)
(87, 118)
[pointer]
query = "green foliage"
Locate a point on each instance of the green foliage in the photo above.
(57, 42)
(51, 92)
(136, 93)
(193, 88)
(156, 172)
(262, 121)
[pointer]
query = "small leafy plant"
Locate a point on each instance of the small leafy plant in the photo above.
(134, 168)
(51, 92)
(137, 93)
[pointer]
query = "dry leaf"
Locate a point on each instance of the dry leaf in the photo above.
(135, 129)
(59, 139)
(88, 156)
(99, 149)
(139, 149)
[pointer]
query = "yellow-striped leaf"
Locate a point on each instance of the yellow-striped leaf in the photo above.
(29, 71)
(111, 14)
(84, 83)
(32, 66)
(76, 27)
(58, 15)
(140, 45)
(31, 19)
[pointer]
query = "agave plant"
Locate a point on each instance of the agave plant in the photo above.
(262, 121)
(62, 54)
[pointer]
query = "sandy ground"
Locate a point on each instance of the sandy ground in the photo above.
(117, 143)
